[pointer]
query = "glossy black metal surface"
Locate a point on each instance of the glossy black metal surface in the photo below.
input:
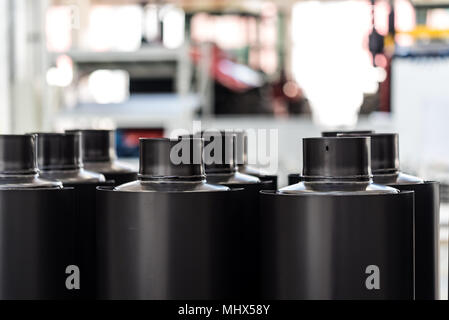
(338, 165)
(60, 158)
(36, 231)
(270, 181)
(170, 234)
(99, 155)
(163, 158)
(386, 170)
(332, 158)
(246, 206)
(18, 154)
(226, 174)
(427, 223)
(117, 177)
(36, 243)
(85, 234)
(293, 178)
(336, 234)
(320, 246)
(97, 145)
(219, 151)
(18, 164)
(59, 151)
(384, 152)
(168, 245)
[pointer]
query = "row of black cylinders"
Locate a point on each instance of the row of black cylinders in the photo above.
(197, 222)
(47, 211)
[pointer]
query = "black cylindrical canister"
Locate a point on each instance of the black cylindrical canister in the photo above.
(270, 181)
(385, 168)
(60, 158)
(99, 155)
(36, 235)
(170, 234)
(221, 168)
(336, 235)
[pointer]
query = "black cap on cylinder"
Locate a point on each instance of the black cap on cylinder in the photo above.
(384, 152)
(336, 159)
(18, 154)
(59, 151)
(337, 133)
(98, 145)
(219, 151)
(171, 159)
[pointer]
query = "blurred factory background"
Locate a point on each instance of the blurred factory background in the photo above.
(149, 67)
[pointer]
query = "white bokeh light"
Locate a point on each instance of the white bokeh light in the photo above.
(109, 86)
(329, 59)
(173, 27)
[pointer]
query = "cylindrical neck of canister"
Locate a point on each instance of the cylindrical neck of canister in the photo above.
(178, 160)
(98, 145)
(59, 151)
(18, 155)
(219, 152)
(336, 159)
(384, 152)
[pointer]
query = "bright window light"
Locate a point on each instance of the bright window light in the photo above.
(151, 22)
(109, 86)
(62, 74)
(58, 28)
(115, 28)
(405, 20)
(173, 28)
(405, 17)
(228, 31)
(438, 19)
(330, 59)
